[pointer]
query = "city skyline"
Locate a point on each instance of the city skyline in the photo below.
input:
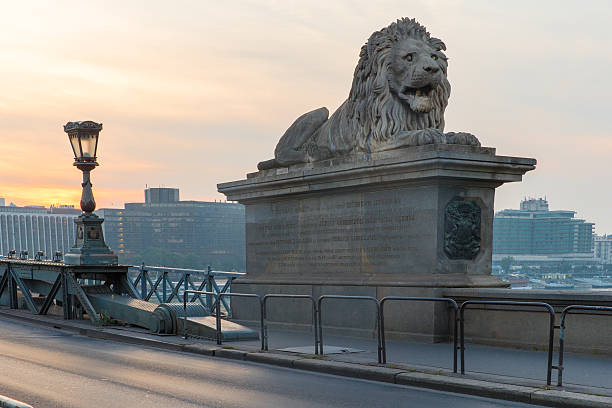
(194, 99)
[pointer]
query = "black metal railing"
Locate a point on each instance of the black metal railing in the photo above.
(262, 323)
(287, 296)
(458, 319)
(418, 299)
(218, 314)
(345, 297)
(551, 328)
(593, 310)
(218, 298)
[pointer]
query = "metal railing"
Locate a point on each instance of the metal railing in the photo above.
(262, 323)
(380, 321)
(218, 314)
(564, 314)
(368, 298)
(262, 312)
(218, 299)
(551, 329)
(314, 315)
(418, 299)
(170, 283)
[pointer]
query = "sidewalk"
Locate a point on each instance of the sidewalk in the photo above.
(580, 370)
(516, 375)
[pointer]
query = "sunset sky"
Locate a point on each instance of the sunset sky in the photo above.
(194, 93)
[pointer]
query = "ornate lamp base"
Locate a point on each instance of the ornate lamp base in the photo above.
(90, 248)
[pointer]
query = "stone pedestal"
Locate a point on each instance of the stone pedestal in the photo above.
(90, 248)
(402, 222)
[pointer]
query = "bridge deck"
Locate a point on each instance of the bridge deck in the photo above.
(584, 373)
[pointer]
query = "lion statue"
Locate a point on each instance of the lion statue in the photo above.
(397, 99)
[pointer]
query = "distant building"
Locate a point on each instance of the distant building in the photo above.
(36, 228)
(2, 202)
(211, 232)
(536, 234)
(602, 249)
(161, 195)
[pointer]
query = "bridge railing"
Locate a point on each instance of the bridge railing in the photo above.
(551, 327)
(218, 315)
(449, 301)
(266, 298)
(218, 299)
(166, 284)
(346, 297)
(590, 310)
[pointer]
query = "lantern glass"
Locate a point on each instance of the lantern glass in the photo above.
(74, 142)
(83, 140)
(89, 145)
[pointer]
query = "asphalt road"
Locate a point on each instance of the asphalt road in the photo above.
(49, 368)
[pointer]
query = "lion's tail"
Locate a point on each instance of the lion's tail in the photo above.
(268, 164)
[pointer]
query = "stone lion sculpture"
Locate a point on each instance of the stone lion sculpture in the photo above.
(397, 99)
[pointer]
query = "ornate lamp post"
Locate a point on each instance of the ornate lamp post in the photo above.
(89, 248)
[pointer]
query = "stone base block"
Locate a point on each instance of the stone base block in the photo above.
(404, 222)
(419, 217)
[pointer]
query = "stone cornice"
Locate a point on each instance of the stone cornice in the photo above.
(413, 164)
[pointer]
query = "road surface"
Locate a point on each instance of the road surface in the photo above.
(47, 367)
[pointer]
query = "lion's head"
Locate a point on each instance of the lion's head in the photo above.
(399, 83)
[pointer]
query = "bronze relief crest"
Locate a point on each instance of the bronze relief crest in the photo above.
(462, 229)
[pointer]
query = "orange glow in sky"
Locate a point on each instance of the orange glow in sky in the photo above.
(195, 93)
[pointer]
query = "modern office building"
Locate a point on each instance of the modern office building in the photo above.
(36, 229)
(213, 232)
(161, 195)
(534, 232)
(602, 249)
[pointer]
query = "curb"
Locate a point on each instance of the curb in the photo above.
(6, 402)
(230, 353)
(442, 382)
(558, 398)
(280, 360)
(373, 373)
(508, 392)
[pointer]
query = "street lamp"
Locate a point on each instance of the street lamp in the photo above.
(89, 248)
(84, 141)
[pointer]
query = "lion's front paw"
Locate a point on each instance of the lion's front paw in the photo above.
(428, 136)
(462, 138)
(413, 138)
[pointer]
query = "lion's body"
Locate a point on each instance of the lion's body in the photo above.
(398, 97)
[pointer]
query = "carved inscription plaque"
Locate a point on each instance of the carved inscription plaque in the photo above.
(343, 235)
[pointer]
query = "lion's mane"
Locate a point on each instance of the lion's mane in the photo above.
(374, 116)
(374, 111)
